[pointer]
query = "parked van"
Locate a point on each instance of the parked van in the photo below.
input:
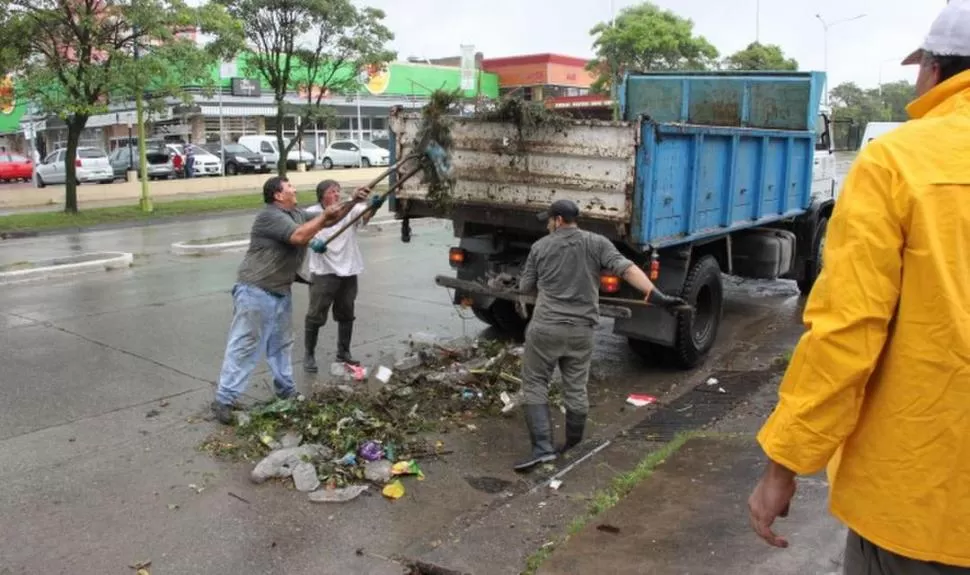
(266, 146)
(876, 129)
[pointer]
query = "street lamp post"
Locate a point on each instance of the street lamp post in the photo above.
(757, 21)
(886, 61)
(826, 26)
(362, 78)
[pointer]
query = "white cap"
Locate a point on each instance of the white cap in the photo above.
(949, 35)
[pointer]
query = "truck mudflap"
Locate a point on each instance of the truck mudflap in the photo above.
(470, 287)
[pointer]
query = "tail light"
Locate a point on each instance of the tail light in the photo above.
(609, 284)
(456, 257)
(77, 162)
(654, 268)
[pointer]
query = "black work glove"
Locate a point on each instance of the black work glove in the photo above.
(660, 299)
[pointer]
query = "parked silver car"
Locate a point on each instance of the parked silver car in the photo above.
(350, 153)
(160, 165)
(91, 165)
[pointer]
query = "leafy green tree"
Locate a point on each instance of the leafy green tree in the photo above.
(314, 48)
(75, 56)
(759, 56)
(855, 106)
(896, 96)
(645, 37)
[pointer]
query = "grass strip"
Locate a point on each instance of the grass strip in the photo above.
(607, 498)
(42, 221)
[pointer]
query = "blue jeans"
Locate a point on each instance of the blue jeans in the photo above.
(261, 323)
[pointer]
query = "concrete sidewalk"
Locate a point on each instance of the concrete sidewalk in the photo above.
(691, 517)
(26, 198)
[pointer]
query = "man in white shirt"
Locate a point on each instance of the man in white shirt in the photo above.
(334, 274)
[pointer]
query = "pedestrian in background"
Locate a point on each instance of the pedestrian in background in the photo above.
(334, 274)
(879, 386)
(565, 268)
(262, 299)
(189, 161)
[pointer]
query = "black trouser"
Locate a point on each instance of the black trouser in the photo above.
(328, 291)
(862, 557)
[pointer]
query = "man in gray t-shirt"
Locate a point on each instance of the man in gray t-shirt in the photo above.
(565, 268)
(262, 302)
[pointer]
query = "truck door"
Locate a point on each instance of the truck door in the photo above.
(823, 170)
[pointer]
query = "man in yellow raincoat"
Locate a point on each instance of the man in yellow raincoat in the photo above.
(879, 386)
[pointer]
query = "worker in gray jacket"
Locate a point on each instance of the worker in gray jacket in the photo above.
(565, 268)
(262, 298)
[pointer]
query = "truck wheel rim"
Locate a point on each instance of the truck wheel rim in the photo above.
(703, 322)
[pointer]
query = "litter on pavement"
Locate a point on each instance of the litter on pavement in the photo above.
(638, 400)
(342, 437)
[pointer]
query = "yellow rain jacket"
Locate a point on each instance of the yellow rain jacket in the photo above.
(879, 386)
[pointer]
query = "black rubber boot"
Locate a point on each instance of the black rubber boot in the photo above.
(223, 413)
(540, 434)
(310, 362)
(575, 425)
(345, 331)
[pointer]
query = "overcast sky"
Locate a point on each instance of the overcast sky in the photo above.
(858, 50)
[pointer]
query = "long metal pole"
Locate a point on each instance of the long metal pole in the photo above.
(825, 42)
(757, 21)
(222, 135)
(360, 132)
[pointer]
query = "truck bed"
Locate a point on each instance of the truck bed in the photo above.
(660, 184)
(592, 163)
(697, 155)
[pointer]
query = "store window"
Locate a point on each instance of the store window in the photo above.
(233, 127)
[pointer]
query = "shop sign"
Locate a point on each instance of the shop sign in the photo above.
(245, 87)
(173, 130)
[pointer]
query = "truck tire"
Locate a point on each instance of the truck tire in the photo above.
(814, 268)
(485, 315)
(697, 331)
(508, 320)
(653, 353)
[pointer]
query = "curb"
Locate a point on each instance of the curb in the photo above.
(59, 267)
(187, 249)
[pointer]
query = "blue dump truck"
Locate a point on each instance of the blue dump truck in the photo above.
(706, 174)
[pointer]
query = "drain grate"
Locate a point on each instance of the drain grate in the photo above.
(702, 405)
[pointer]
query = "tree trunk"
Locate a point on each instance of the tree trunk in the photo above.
(281, 162)
(74, 127)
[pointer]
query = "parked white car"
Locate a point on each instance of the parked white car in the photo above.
(91, 165)
(266, 146)
(349, 153)
(206, 163)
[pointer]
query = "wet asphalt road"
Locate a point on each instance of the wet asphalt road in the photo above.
(92, 485)
(91, 482)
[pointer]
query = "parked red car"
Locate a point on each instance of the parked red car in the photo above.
(14, 167)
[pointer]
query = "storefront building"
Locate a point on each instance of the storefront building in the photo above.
(244, 106)
(11, 112)
(539, 77)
